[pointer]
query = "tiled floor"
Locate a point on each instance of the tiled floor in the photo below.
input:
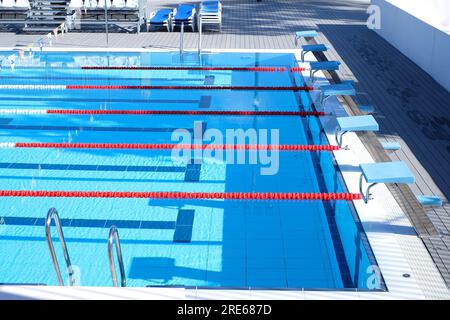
(411, 107)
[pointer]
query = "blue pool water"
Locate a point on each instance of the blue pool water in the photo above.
(212, 243)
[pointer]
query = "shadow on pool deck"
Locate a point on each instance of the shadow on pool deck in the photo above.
(409, 104)
(411, 108)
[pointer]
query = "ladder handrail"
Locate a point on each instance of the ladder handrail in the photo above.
(182, 38)
(48, 221)
(114, 235)
(199, 26)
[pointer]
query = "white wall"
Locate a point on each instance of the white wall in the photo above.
(420, 30)
(434, 12)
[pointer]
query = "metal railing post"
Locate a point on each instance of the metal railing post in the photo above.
(53, 213)
(199, 33)
(113, 238)
(106, 23)
(182, 38)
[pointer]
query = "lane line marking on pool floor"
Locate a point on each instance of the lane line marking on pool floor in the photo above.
(160, 112)
(293, 196)
(167, 146)
(129, 87)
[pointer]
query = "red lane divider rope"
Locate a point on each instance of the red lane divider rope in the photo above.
(118, 87)
(253, 69)
(297, 69)
(189, 112)
(183, 195)
(164, 146)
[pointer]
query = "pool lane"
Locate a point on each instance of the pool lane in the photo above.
(164, 242)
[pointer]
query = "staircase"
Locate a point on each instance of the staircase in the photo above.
(45, 15)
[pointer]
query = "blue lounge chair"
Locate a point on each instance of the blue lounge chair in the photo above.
(160, 18)
(211, 13)
(353, 124)
(184, 15)
(383, 172)
(210, 6)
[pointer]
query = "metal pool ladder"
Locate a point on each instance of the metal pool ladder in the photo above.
(182, 38)
(114, 236)
(199, 26)
(52, 213)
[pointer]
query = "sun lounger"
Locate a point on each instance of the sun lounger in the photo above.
(22, 4)
(101, 4)
(132, 4)
(14, 5)
(75, 4)
(184, 15)
(210, 13)
(121, 13)
(90, 4)
(13, 13)
(118, 4)
(7, 4)
(160, 18)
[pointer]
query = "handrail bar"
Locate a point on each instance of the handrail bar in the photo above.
(114, 236)
(182, 38)
(52, 213)
(199, 26)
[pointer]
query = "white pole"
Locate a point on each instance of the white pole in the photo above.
(181, 37)
(199, 33)
(106, 23)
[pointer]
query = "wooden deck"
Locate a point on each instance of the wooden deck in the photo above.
(410, 106)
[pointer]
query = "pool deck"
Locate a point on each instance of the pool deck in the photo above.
(410, 106)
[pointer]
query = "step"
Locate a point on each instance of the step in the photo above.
(47, 10)
(391, 146)
(52, 25)
(45, 18)
(11, 21)
(47, 14)
(38, 29)
(430, 200)
(62, 6)
(50, 3)
(42, 24)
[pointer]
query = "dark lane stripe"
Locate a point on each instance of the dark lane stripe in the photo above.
(102, 100)
(92, 223)
(68, 128)
(86, 167)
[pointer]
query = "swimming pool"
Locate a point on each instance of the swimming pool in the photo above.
(167, 242)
